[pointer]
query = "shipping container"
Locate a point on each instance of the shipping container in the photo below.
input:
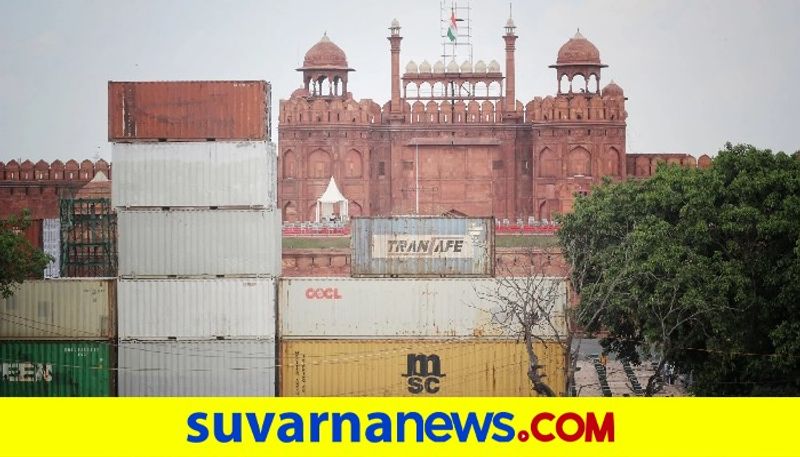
(52, 246)
(204, 174)
(56, 369)
(277, 243)
(422, 246)
(419, 308)
(198, 242)
(60, 309)
(197, 368)
(393, 368)
(196, 309)
(189, 110)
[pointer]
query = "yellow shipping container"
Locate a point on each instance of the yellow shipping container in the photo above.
(452, 368)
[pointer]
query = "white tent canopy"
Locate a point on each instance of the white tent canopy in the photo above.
(329, 198)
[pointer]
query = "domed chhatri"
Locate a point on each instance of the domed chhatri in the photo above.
(425, 67)
(411, 67)
(325, 70)
(325, 54)
(613, 90)
(578, 51)
(452, 67)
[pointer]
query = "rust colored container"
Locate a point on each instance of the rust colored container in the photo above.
(189, 111)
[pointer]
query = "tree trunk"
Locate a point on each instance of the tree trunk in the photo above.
(649, 391)
(539, 386)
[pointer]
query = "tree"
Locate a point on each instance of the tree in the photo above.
(697, 268)
(19, 260)
(532, 307)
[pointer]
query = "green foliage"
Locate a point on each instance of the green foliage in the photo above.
(19, 260)
(699, 267)
(525, 241)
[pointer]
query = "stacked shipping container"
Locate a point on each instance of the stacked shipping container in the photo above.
(57, 338)
(396, 331)
(354, 337)
(199, 237)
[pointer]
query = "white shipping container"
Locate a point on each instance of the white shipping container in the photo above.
(196, 368)
(426, 246)
(196, 309)
(185, 174)
(278, 245)
(59, 309)
(51, 238)
(198, 242)
(380, 308)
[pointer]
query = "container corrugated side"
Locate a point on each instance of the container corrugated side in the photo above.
(60, 309)
(56, 369)
(197, 368)
(415, 368)
(277, 243)
(194, 174)
(448, 307)
(52, 246)
(196, 309)
(189, 110)
(198, 242)
(422, 246)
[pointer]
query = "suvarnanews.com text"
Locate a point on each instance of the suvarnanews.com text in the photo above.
(379, 427)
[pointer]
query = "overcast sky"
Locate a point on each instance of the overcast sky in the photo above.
(697, 73)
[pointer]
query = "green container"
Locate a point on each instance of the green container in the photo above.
(55, 369)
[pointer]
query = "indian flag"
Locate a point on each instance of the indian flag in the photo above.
(452, 29)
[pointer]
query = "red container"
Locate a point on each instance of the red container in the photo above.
(189, 111)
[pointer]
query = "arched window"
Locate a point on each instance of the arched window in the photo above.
(593, 84)
(549, 164)
(609, 163)
(563, 84)
(353, 164)
(319, 164)
(290, 168)
(579, 162)
(578, 84)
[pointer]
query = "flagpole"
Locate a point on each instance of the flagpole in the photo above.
(416, 170)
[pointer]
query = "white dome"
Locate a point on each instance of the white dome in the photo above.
(438, 67)
(480, 67)
(411, 67)
(425, 67)
(452, 67)
(466, 67)
(494, 67)
(395, 23)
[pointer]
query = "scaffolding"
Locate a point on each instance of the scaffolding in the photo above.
(463, 42)
(88, 238)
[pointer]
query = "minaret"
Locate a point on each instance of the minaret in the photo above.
(394, 39)
(511, 94)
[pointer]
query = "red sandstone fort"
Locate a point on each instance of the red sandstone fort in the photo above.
(479, 151)
(452, 139)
